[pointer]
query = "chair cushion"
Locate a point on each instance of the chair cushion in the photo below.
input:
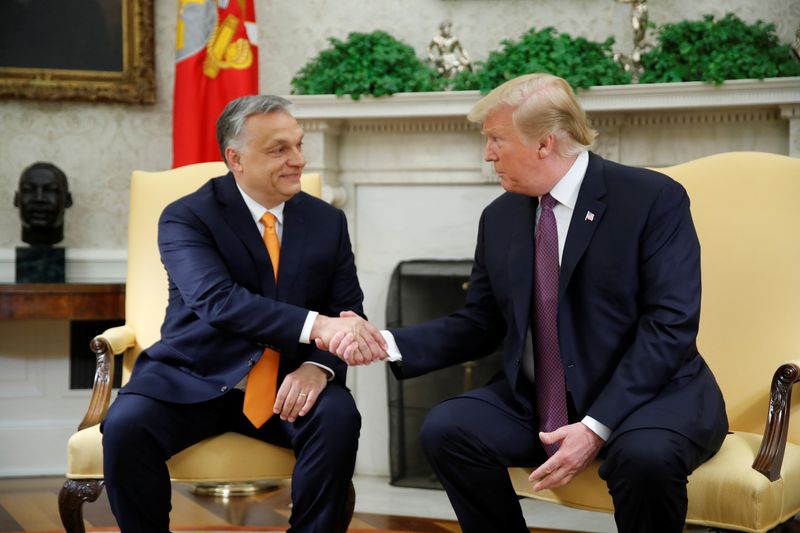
(725, 492)
(229, 457)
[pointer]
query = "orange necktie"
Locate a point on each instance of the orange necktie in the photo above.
(262, 381)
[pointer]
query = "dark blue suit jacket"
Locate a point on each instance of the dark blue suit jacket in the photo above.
(629, 306)
(224, 305)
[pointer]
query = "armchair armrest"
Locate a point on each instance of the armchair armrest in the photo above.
(773, 445)
(105, 346)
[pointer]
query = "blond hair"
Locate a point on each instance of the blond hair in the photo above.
(542, 104)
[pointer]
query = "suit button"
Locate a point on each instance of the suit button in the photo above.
(223, 388)
(516, 362)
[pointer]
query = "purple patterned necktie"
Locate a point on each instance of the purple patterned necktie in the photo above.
(551, 396)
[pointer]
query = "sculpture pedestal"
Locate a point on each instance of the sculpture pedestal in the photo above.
(40, 264)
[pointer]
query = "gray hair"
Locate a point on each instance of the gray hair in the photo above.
(231, 121)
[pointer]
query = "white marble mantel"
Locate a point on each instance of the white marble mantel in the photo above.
(408, 172)
(611, 98)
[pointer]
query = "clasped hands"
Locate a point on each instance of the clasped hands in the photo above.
(349, 337)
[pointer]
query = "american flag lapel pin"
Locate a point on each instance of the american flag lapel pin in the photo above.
(589, 216)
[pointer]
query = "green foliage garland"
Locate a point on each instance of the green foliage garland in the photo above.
(717, 50)
(581, 62)
(366, 63)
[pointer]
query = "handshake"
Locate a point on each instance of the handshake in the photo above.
(349, 337)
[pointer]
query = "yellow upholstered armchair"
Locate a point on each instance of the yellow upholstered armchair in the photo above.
(215, 460)
(745, 206)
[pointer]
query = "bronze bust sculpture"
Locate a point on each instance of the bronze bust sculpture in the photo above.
(42, 198)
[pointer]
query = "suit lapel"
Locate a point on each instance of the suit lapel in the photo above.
(586, 217)
(293, 244)
(520, 259)
(238, 217)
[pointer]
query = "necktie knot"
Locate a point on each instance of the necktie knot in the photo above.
(269, 221)
(548, 202)
(271, 240)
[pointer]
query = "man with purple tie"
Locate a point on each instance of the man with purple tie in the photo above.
(587, 273)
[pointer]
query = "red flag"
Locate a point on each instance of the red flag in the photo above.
(216, 61)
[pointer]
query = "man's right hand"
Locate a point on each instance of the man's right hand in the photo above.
(349, 337)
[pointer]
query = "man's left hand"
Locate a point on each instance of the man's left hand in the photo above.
(299, 392)
(579, 446)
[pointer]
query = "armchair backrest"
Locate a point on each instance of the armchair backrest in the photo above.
(745, 208)
(146, 284)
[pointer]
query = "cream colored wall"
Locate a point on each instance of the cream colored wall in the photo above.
(97, 145)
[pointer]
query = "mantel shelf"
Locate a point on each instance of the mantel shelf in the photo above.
(770, 92)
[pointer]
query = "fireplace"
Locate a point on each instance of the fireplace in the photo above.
(421, 290)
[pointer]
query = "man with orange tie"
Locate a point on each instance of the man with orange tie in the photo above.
(258, 274)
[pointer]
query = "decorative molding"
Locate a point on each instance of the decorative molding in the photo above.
(82, 265)
(692, 95)
(332, 127)
(411, 126)
(400, 105)
(693, 118)
(790, 111)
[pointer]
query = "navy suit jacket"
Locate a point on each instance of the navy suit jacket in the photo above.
(629, 306)
(224, 304)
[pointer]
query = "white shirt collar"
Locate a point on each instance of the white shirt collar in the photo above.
(257, 210)
(567, 188)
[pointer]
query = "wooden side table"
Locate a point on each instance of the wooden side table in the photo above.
(70, 301)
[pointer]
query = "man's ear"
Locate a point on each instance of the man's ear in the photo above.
(68, 200)
(232, 158)
(546, 145)
(16, 199)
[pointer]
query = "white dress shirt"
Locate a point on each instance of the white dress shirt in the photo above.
(565, 192)
(257, 211)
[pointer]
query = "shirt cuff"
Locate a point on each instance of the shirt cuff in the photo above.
(391, 347)
(323, 367)
(305, 333)
(602, 430)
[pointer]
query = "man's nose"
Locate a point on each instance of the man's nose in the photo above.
(297, 159)
(488, 152)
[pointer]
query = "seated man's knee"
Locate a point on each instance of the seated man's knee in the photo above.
(335, 414)
(121, 427)
(646, 457)
(441, 427)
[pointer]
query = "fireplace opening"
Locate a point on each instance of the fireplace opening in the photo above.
(421, 290)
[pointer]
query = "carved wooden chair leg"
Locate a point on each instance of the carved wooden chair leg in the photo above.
(71, 499)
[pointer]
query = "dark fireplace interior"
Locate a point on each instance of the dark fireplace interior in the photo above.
(421, 290)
